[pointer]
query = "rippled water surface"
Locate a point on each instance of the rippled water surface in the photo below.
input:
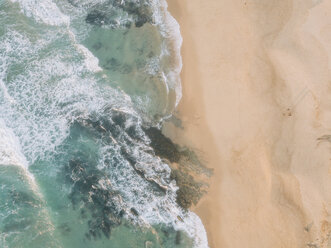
(79, 83)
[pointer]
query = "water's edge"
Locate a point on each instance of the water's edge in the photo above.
(83, 95)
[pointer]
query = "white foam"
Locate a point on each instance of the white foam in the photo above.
(3, 88)
(5, 92)
(153, 209)
(47, 12)
(10, 150)
(170, 30)
(42, 125)
(169, 63)
(43, 11)
(91, 62)
(26, 102)
(11, 155)
(196, 230)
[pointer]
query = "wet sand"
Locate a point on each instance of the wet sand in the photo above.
(257, 106)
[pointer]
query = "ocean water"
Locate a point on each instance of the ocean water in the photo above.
(80, 81)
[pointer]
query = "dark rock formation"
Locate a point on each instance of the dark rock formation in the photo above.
(162, 145)
(105, 14)
(190, 190)
(101, 202)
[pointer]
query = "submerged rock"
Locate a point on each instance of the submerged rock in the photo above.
(162, 145)
(178, 240)
(190, 190)
(65, 229)
(101, 202)
(134, 211)
(139, 13)
(97, 17)
(140, 10)
(91, 187)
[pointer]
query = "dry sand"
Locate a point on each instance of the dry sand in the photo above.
(257, 104)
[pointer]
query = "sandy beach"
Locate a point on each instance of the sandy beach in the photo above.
(256, 105)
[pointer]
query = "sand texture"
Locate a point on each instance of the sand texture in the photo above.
(257, 105)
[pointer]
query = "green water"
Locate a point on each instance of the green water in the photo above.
(79, 80)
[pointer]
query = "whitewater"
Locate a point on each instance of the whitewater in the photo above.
(80, 81)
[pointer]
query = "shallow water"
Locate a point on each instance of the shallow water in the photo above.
(78, 82)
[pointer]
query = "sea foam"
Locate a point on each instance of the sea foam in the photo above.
(59, 85)
(45, 11)
(10, 150)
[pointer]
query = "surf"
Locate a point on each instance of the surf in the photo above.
(75, 112)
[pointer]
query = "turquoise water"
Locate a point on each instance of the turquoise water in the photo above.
(79, 82)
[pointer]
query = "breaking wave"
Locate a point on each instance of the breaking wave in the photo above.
(79, 82)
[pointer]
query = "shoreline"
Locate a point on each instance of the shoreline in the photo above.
(191, 114)
(254, 106)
